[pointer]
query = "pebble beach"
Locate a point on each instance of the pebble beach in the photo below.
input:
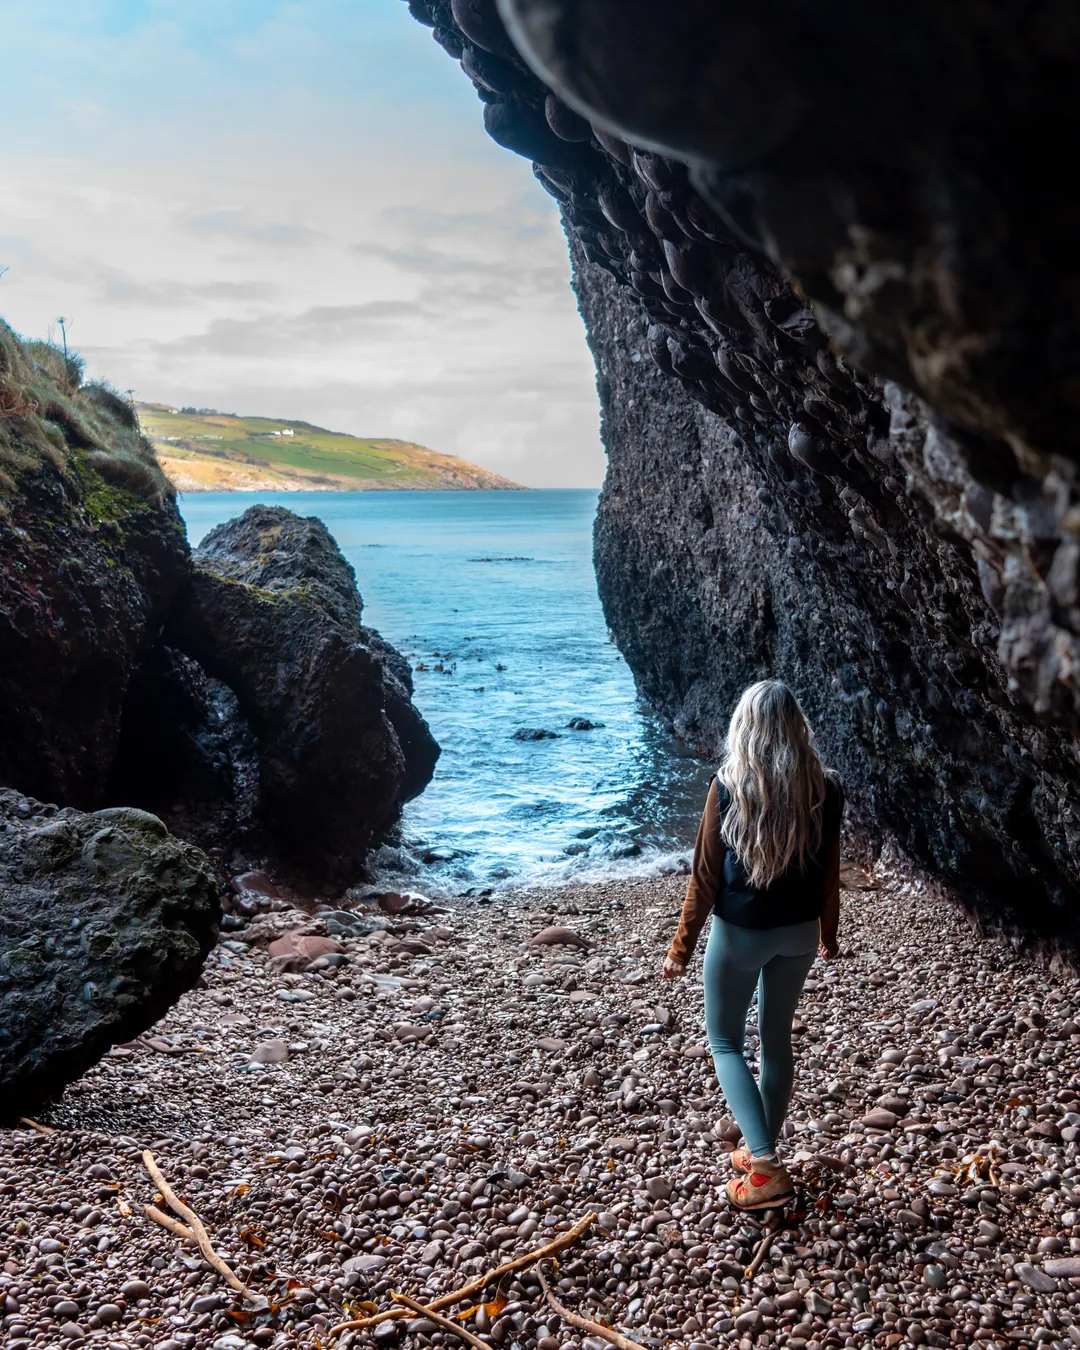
(359, 1102)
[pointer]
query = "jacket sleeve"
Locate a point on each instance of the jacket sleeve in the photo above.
(830, 915)
(706, 881)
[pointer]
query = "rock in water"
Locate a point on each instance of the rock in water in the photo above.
(272, 610)
(105, 920)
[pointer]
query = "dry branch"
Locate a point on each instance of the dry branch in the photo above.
(453, 1327)
(761, 1253)
(173, 1225)
(199, 1232)
(552, 1248)
(615, 1338)
(41, 1129)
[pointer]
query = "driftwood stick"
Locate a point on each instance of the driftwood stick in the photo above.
(616, 1338)
(41, 1129)
(202, 1238)
(174, 1226)
(761, 1253)
(552, 1248)
(454, 1327)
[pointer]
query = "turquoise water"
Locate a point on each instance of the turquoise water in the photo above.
(498, 589)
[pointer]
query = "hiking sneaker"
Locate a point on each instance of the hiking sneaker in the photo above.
(766, 1185)
(741, 1159)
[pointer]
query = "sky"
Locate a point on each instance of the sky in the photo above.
(289, 208)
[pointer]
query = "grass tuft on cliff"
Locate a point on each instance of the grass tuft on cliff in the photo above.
(47, 414)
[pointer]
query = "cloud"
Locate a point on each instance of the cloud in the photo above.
(313, 331)
(118, 288)
(239, 226)
(290, 207)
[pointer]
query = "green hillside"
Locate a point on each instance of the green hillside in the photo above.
(207, 451)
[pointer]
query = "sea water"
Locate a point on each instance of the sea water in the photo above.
(492, 598)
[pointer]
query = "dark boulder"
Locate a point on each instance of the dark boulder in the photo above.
(583, 724)
(273, 612)
(534, 734)
(88, 572)
(105, 920)
(188, 755)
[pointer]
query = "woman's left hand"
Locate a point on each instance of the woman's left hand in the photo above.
(672, 970)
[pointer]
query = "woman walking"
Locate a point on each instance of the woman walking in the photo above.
(767, 866)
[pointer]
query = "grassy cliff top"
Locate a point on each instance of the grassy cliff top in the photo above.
(48, 415)
(202, 450)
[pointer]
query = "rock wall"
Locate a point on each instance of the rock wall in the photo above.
(92, 554)
(826, 269)
(712, 576)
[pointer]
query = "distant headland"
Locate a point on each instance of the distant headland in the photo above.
(203, 450)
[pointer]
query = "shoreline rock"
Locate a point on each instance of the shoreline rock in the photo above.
(105, 920)
(98, 708)
(273, 612)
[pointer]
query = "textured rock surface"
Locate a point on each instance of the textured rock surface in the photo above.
(105, 920)
(273, 612)
(187, 754)
(95, 709)
(781, 499)
(87, 573)
(712, 576)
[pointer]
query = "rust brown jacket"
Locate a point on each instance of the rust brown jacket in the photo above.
(707, 880)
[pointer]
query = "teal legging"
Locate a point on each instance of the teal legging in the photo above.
(777, 961)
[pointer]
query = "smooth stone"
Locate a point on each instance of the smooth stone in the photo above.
(899, 1106)
(364, 1263)
(134, 1290)
(558, 936)
(1038, 1280)
(270, 1052)
(308, 946)
(408, 1031)
(880, 1119)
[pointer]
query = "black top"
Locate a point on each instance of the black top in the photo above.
(797, 895)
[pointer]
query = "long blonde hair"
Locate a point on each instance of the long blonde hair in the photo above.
(775, 783)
